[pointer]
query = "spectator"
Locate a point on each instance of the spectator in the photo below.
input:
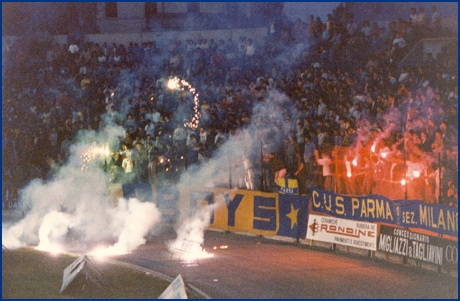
(301, 174)
(325, 161)
(366, 29)
(359, 68)
(435, 23)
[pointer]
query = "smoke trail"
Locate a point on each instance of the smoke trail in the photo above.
(266, 119)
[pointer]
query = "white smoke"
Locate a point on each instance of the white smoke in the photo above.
(137, 219)
(228, 158)
(193, 228)
(226, 163)
(74, 207)
(54, 226)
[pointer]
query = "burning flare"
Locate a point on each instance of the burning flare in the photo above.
(347, 164)
(176, 84)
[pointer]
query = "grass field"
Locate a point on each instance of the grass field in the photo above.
(27, 273)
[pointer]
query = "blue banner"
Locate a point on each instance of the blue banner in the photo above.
(293, 216)
(441, 219)
(371, 208)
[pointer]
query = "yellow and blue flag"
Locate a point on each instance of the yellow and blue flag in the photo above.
(287, 186)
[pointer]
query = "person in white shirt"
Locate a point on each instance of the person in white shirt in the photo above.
(352, 27)
(399, 39)
(203, 136)
(403, 76)
(250, 50)
(326, 162)
(435, 20)
(248, 172)
(321, 109)
(421, 18)
(180, 135)
(127, 163)
(155, 116)
(413, 15)
(150, 128)
(73, 48)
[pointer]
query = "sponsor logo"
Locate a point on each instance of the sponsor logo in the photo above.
(341, 230)
(314, 227)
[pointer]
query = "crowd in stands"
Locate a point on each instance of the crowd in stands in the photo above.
(351, 100)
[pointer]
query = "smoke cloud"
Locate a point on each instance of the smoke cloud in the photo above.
(267, 119)
(74, 208)
(193, 228)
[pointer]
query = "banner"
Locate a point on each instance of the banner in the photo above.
(436, 250)
(373, 208)
(343, 232)
(287, 186)
(248, 211)
(293, 216)
(441, 219)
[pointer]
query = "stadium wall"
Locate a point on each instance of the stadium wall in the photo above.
(408, 232)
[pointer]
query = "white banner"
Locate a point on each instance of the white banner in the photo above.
(342, 231)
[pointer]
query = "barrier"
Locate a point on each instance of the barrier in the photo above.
(187, 247)
(431, 229)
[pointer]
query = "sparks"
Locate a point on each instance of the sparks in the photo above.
(102, 252)
(173, 84)
(176, 84)
(92, 153)
(51, 248)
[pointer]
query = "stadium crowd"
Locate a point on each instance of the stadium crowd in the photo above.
(352, 107)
